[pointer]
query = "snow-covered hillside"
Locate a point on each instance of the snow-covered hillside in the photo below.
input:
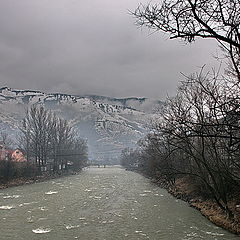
(109, 124)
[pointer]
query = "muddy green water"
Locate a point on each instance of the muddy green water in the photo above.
(100, 203)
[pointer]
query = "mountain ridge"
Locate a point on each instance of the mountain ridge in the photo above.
(108, 123)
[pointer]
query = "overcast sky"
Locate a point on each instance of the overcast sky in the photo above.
(90, 47)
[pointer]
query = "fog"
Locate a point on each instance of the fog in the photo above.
(92, 47)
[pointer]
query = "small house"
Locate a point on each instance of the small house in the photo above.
(18, 156)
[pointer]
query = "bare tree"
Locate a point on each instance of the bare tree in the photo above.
(46, 137)
(191, 19)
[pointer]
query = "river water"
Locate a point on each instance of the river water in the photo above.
(100, 203)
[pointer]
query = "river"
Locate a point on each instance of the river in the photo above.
(100, 203)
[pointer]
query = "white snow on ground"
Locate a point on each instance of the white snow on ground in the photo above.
(107, 123)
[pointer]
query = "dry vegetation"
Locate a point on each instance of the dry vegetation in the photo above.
(189, 192)
(194, 147)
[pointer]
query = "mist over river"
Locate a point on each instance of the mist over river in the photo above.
(100, 203)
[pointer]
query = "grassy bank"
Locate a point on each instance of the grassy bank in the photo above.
(187, 191)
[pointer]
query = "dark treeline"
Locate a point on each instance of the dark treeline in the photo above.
(10, 170)
(48, 138)
(50, 144)
(198, 135)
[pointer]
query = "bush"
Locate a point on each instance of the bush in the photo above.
(25, 169)
(10, 170)
(7, 170)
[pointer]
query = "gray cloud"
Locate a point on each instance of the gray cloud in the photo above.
(84, 47)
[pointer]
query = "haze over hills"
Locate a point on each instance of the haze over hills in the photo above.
(108, 124)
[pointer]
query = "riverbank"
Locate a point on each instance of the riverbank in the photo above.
(41, 178)
(187, 192)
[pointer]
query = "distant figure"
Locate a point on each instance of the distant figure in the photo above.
(98, 166)
(104, 165)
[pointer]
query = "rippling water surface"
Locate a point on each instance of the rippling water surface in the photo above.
(100, 203)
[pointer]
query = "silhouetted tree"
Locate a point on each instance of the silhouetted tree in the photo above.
(46, 137)
(191, 19)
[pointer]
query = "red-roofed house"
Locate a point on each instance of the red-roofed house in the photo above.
(18, 156)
